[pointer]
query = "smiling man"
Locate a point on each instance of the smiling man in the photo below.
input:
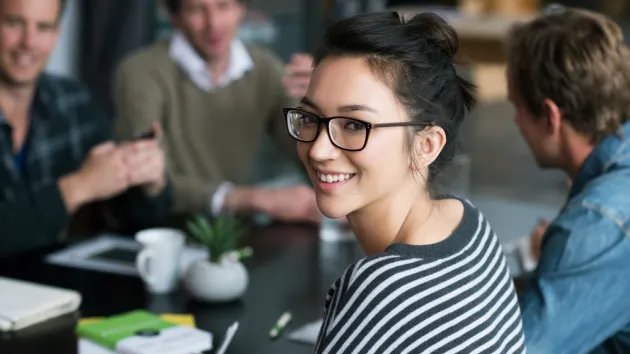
(216, 98)
(56, 153)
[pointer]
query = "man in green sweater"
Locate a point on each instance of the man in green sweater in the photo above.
(56, 148)
(215, 98)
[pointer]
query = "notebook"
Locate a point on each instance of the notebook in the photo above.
(85, 346)
(23, 304)
(141, 332)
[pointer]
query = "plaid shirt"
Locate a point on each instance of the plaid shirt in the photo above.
(65, 124)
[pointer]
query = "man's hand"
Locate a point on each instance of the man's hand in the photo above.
(293, 204)
(145, 163)
(103, 175)
(536, 238)
(298, 75)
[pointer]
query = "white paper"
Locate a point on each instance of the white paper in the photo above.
(173, 340)
(524, 249)
(178, 339)
(307, 333)
(87, 347)
(81, 255)
(519, 257)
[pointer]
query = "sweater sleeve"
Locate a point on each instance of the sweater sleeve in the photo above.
(37, 216)
(584, 259)
(141, 99)
(32, 220)
(276, 124)
(133, 208)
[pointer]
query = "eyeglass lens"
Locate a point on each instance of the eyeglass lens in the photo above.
(346, 133)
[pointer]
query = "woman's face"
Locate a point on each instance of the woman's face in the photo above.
(347, 181)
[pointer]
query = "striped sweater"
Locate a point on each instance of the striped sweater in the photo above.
(455, 296)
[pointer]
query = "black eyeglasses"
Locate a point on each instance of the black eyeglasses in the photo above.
(345, 133)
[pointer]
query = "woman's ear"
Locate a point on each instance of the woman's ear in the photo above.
(427, 147)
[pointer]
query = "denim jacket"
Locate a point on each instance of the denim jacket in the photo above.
(578, 300)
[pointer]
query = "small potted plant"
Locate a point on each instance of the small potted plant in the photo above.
(222, 277)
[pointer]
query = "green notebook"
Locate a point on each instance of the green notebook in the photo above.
(140, 332)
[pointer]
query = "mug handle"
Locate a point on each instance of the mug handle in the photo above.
(142, 264)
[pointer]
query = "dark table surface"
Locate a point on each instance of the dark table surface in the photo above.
(291, 270)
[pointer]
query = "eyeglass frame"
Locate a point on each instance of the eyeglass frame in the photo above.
(368, 126)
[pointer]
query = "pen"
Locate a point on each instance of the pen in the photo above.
(229, 335)
(280, 325)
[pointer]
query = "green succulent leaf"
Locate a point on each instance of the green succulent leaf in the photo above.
(219, 237)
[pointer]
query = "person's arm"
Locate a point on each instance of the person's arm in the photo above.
(276, 125)
(578, 295)
(140, 100)
(37, 216)
(34, 218)
(132, 207)
(136, 210)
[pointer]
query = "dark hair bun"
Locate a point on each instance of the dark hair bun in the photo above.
(433, 29)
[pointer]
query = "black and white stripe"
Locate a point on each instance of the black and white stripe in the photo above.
(452, 297)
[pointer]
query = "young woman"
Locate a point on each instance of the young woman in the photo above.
(378, 123)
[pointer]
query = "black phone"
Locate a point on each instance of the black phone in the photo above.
(148, 135)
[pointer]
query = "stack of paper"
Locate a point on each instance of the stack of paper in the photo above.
(140, 332)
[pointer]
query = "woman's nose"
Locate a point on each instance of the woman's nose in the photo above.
(323, 148)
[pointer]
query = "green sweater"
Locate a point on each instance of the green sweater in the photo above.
(209, 137)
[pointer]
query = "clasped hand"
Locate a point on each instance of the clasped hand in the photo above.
(110, 169)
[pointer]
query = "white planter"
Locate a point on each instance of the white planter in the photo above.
(216, 282)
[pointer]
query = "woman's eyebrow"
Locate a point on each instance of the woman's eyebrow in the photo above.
(307, 102)
(357, 107)
(345, 108)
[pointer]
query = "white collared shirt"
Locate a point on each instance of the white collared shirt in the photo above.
(182, 52)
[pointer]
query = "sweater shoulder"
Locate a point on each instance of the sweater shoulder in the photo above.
(265, 60)
(154, 58)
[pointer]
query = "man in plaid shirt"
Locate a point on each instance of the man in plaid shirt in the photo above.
(56, 148)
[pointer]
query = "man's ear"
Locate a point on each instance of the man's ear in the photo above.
(552, 115)
(428, 145)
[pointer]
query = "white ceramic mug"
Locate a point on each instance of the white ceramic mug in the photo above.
(159, 261)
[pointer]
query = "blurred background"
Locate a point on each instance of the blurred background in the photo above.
(97, 34)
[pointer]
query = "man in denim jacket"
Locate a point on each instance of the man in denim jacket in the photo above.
(569, 80)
